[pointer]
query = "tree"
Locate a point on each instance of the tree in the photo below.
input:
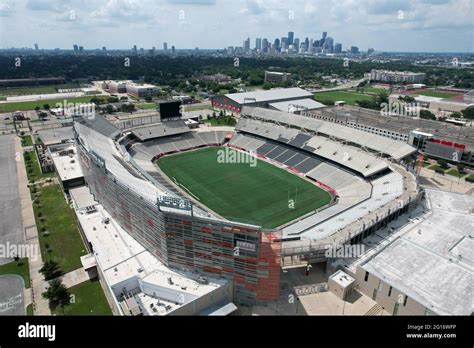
(50, 270)
(148, 99)
(37, 108)
(427, 115)
(109, 108)
(460, 167)
(42, 115)
(46, 106)
(443, 164)
(468, 113)
(455, 115)
(57, 295)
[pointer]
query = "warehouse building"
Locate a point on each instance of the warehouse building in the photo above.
(396, 76)
(141, 90)
(234, 102)
(275, 76)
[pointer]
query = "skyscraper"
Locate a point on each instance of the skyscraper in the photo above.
(247, 45)
(76, 48)
(134, 49)
(258, 44)
(323, 39)
(173, 49)
(354, 50)
(165, 46)
(296, 44)
(36, 47)
(306, 45)
(277, 44)
(104, 48)
(338, 48)
(329, 45)
(264, 45)
(291, 36)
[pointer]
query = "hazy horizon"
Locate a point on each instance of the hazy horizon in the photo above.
(410, 26)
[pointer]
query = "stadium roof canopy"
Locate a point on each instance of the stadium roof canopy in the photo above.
(377, 143)
(297, 105)
(160, 130)
(270, 95)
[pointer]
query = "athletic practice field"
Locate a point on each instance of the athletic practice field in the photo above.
(349, 97)
(261, 194)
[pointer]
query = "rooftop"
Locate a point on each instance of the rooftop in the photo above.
(270, 95)
(431, 260)
(67, 163)
(341, 278)
(298, 104)
(122, 259)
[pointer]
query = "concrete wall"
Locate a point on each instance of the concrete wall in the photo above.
(387, 302)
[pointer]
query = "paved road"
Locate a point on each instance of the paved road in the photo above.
(11, 227)
(11, 295)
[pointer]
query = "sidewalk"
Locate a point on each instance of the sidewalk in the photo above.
(38, 284)
(75, 277)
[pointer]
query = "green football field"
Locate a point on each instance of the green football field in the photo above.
(261, 195)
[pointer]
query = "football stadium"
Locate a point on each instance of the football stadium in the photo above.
(240, 203)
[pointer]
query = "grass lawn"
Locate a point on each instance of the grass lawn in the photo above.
(456, 173)
(426, 164)
(33, 169)
(89, 300)
(146, 106)
(469, 178)
(349, 97)
(30, 105)
(436, 166)
(197, 107)
(437, 94)
(63, 242)
(258, 195)
(35, 89)
(29, 309)
(26, 141)
(20, 268)
(221, 121)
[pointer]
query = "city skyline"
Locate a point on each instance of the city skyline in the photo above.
(391, 26)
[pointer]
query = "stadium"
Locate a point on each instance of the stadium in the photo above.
(240, 203)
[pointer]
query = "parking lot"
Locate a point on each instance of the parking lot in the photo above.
(11, 295)
(11, 227)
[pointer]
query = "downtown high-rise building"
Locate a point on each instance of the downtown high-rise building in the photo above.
(264, 45)
(306, 45)
(76, 48)
(277, 44)
(246, 45)
(165, 46)
(338, 48)
(291, 36)
(296, 45)
(258, 44)
(36, 47)
(328, 46)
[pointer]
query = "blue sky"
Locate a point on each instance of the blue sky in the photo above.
(386, 25)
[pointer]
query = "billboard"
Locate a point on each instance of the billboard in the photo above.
(171, 109)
